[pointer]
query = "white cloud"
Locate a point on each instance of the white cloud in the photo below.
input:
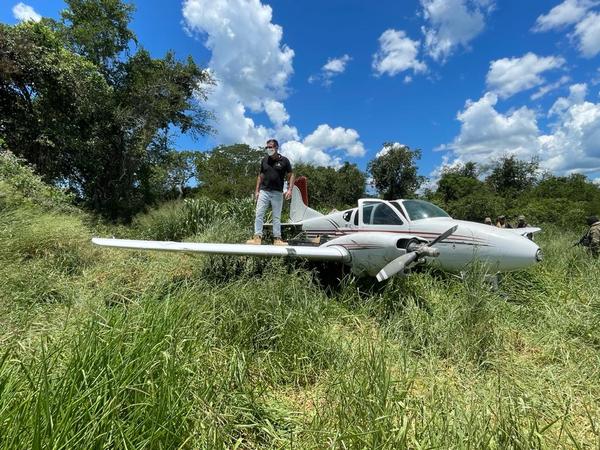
(577, 94)
(331, 69)
(550, 87)
(485, 132)
(507, 76)
(575, 12)
(588, 33)
(452, 23)
(337, 65)
(386, 148)
(574, 144)
(571, 145)
(276, 112)
(24, 12)
(252, 68)
(317, 147)
(567, 13)
(397, 53)
(249, 61)
(336, 138)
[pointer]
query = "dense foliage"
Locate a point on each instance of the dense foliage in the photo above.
(329, 187)
(228, 172)
(90, 114)
(512, 187)
(395, 172)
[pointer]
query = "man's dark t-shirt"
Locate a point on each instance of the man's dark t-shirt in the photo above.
(274, 171)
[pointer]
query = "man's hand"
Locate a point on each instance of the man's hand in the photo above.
(288, 194)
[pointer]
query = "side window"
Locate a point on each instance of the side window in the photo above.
(346, 215)
(367, 211)
(356, 217)
(384, 215)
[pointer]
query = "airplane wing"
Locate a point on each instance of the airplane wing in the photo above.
(332, 253)
(525, 231)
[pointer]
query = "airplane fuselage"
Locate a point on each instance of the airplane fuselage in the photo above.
(378, 231)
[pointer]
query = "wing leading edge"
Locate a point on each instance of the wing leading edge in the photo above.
(332, 253)
(525, 231)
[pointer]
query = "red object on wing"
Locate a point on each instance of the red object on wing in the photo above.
(302, 184)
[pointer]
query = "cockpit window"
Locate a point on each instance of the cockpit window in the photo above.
(377, 213)
(419, 209)
(346, 215)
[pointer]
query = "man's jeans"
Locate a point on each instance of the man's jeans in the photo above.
(265, 198)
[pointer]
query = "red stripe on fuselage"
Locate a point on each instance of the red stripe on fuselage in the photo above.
(417, 233)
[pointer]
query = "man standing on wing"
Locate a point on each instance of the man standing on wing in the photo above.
(274, 169)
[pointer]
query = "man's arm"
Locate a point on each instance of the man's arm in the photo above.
(291, 178)
(259, 179)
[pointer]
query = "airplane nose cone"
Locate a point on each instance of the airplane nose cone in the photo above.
(519, 253)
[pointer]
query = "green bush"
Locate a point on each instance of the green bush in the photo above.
(181, 219)
(19, 186)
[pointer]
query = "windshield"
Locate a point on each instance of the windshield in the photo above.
(419, 209)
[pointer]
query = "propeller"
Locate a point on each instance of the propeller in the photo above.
(403, 261)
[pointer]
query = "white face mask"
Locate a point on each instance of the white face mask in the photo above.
(270, 151)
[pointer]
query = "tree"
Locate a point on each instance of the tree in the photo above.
(394, 172)
(511, 176)
(458, 182)
(228, 171)
(85, 113)
(332, 188)
(97, 29)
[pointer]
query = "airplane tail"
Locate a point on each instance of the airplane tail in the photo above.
(299, 209)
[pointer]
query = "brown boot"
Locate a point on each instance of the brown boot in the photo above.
(278, 241)
(256, 240)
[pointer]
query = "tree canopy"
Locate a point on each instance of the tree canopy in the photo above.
(329, 187)
(228, 171)
(75, 103)
(394, 171)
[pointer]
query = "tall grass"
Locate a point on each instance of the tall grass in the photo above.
(118, 349)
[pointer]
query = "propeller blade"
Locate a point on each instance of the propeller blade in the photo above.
(443, 236)
(397, 265)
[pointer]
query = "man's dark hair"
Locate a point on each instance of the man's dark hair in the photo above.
(273, 141)
(592, 220)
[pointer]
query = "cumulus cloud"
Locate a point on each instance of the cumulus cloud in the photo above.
(276, 112)
(331, 69)
(543, 90)
(249, 61)
(252, 67)
(485, 132)
(567, 13)
(24, 12)
(572, 143)
(586, 34)
(507, 76)
(317, 147)
(397, 53)
(577, 94)
(452, 24)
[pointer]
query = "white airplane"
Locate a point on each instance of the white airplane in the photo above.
(378, 238)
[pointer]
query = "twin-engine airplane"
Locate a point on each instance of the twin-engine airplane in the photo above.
(378, 238)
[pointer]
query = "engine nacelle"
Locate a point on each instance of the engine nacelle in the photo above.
(370, 252)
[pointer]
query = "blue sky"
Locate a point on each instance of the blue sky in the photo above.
(335, 79)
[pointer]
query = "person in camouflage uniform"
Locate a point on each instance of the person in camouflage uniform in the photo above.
(592, 237)
(521, 222)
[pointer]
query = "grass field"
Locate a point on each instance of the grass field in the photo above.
(116, 349)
